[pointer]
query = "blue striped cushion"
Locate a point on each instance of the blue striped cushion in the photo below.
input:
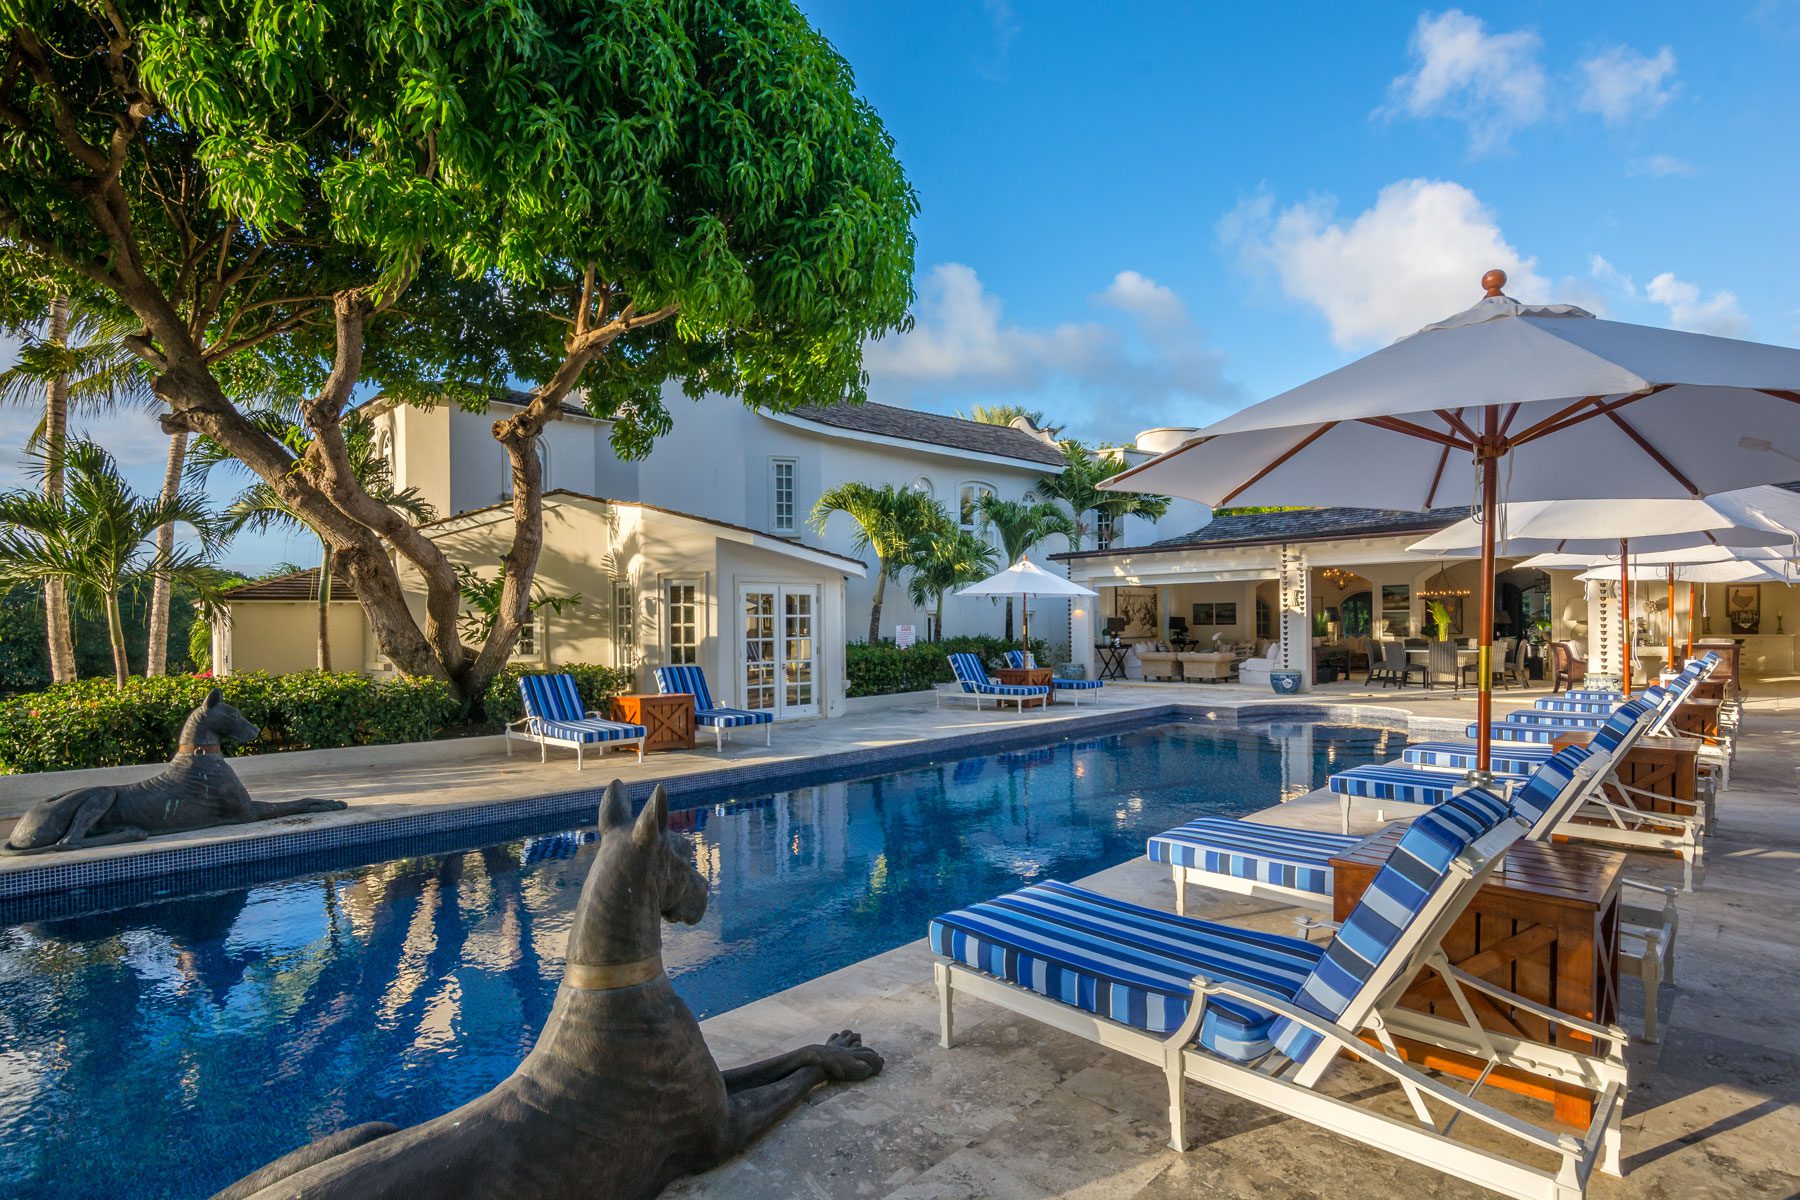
(688, 681)
(1513, 759)
(590, 729)
(1559, 704)
(1077, 685)
(969, 672)
(550, 697)
(1125, 962)
(1412, 874)
(1560, 719)
(1273, 854)
(732, 718)
(1396, 782)
(1610, 694)
(1547, 785)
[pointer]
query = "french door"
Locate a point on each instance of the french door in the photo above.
(780, 663)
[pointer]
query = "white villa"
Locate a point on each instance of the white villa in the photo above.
(699, 553)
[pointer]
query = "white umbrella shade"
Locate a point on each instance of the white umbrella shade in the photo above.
(1751, 517)
(1577, 407)
(1697, 556)
(1748, 570)
(1025, 578)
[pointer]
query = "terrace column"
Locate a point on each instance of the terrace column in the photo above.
(1295, 614)
(1082, 613)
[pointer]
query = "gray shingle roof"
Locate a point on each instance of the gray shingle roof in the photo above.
(933, 429)
(301, 585)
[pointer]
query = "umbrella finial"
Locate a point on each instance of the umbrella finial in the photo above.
(1493, 281)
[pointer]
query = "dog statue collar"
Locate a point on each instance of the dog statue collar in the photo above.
(606, 977)
(189, 748)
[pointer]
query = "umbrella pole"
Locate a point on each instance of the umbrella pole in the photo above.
(1484, 680)
(1625, 614)
(1671, 658)
(1690, 648)
(1024, 632)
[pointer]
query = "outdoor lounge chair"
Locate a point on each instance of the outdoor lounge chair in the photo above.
(691, 681)
(1019, 660)
(554, 717)
(1566, 670)
(1264, 1017)
(972, 680)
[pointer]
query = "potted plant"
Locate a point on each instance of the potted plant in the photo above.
(1440, 617)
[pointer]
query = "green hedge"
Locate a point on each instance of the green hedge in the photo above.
(94, 724)
(884, 668)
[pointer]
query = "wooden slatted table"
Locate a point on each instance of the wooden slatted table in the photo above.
(1663, 766)
(1029, 677)
(1545, 926)
(668, 719)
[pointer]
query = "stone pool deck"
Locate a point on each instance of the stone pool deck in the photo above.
(1019, 1111)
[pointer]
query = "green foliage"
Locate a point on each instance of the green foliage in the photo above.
(1078, 486)
(1006, 414)
(1440, 617)
(1023, 524)
(884, 668)
(95, 724)
(482, 594)
(596, 684)
(887, 519)
(25, 665)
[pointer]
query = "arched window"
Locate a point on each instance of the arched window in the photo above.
(923, 486)
(543, 453)
(968, 506)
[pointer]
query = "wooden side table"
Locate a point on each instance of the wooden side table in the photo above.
(1028, 677)
(1545, 926)
(1663, 766)
(668, 720)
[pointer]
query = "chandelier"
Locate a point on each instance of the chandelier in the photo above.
(1338, 577)
(1442, 587)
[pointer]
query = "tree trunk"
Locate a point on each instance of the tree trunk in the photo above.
(1009, 618)
(115, 629)
(875, 606)
(325, 608)
(58, 629)
(156, 656)
(939, 632)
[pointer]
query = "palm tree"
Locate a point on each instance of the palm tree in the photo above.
(1078, 486)
(99, 540)
(259, 507)
(887, 519)
(1006, 414)
(1021, 525)
(944, 557)
(79, 363)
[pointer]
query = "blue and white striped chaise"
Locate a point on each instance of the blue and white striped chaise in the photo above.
(691, 681)
(1264, 1017)
(972, 680)
(554, 717)
(1018, 660)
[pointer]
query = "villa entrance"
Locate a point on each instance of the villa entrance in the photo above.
(780, 664)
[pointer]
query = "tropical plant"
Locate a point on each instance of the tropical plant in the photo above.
(101, 539)
(260, 507)
(75, 363)
(886, 519)
(1021, 526)
(482, 595)
(602, 197)
(1078, 486)
(942, 557)
(1440, 618)
(1006, 414)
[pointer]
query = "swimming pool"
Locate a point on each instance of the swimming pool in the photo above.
(163, 1050)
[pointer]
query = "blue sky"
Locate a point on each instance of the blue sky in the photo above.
(1142, 214)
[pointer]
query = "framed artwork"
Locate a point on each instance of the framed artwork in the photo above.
(1203, 614)
(1743, 607)
(1226, 613)
(1396, 608)
(1137, 605)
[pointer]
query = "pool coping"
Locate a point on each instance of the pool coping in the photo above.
(38, 890)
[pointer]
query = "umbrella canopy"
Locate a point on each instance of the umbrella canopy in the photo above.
(1577, 407)
(1751, 517)
(1747, 570)
(1697, 556)
(1025, 578)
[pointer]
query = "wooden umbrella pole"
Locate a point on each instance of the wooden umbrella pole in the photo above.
(1625, 614)
(1484, 681)
(1671, 649)
(1690, 648)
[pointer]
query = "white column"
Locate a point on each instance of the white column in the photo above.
(1294, 602)
(1082, 611)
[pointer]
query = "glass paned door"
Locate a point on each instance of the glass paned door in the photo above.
(759, 649)
(799, 608)
(780, 662)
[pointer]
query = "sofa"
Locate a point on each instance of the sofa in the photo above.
(1205, 665)
(1156, 661)
(1255, 671)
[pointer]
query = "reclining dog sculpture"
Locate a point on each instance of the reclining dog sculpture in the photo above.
(620, 1096)
(198, 790)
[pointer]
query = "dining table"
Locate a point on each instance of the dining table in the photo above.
(1466, 656)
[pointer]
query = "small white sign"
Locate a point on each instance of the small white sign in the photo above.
(905, 635)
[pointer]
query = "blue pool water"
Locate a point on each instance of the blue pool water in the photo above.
(164, 1050)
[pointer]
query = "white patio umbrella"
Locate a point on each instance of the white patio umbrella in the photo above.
(1573, 406)
(1760, 517)
(1025, 578)
(1709, 564)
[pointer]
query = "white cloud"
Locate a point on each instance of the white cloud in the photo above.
(1415, 257)
(1605, 273)
(1492, 83)
(1097, 377)
(1718, 314)
(1660, 166)
(1623, 85)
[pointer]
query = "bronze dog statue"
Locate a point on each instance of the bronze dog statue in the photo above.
(199, 789)
(619, 1097)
